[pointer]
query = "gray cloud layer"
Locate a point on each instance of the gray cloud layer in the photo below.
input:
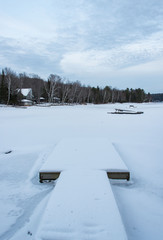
(100, 42)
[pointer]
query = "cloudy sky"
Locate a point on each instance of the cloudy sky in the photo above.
(98, 42)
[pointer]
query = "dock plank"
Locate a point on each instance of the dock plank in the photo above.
(82, 206)
(84, 154)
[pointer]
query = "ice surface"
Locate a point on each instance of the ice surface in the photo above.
(32, 134)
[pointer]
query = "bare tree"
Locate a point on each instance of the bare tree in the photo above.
(52, 86)
(107, 94)
(10, 78)
(9, 89)
(88, 94)
(113, 96)
(66, 89)
(75, 90)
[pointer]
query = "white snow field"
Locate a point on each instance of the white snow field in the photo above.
(31, 135)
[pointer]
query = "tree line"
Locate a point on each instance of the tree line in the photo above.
(157, 97)
(63, 90)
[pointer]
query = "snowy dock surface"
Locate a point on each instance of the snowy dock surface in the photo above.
(82, 206)
(81, 153)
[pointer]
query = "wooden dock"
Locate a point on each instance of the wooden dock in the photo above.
(82, 204)
(84, 154)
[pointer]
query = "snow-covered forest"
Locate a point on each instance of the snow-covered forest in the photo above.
(63, 90)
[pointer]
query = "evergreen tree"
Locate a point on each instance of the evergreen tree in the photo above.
(3, 89)
(127, 93)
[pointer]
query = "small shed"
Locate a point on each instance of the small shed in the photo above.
(42, 100)
(56, 100)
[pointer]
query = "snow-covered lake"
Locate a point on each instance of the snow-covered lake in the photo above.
(32, 133)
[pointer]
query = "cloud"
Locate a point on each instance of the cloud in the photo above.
(138, 64)
(153, 67)
(113, 59)
(82, 39)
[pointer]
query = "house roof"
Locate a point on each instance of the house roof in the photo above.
(25, 91)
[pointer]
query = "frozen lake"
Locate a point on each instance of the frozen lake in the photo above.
(32, 133)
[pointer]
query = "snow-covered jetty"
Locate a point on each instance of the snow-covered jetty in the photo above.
(82, 205)
(81, 153)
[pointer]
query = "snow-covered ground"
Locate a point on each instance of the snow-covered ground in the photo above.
(32, 133)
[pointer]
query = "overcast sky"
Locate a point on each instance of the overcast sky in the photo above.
(118, 43)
